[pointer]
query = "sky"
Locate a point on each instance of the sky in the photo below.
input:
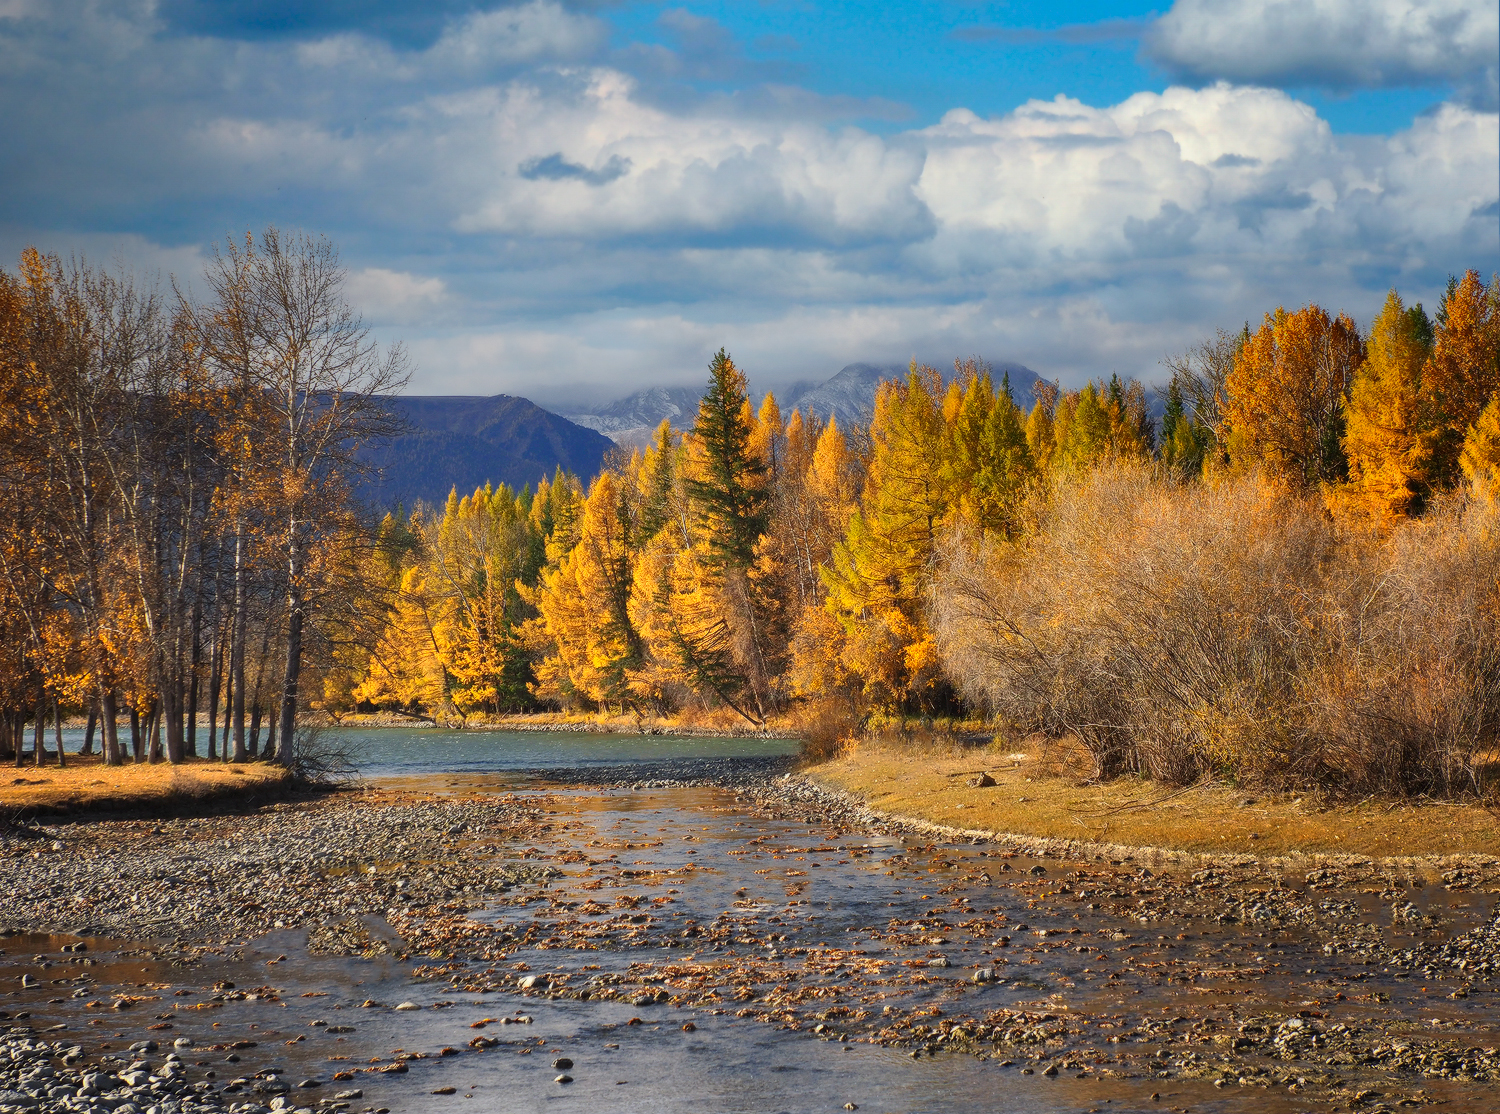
(570, 201)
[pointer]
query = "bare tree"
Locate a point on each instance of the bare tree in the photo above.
(307, 362)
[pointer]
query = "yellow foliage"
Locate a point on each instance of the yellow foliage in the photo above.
(1389, 435)
(1286, 395)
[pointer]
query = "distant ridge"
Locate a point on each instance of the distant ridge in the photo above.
(848, 394)
(631, 420)
(466, 441)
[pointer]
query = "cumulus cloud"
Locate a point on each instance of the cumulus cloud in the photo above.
(1334, 44)
(535, 219)
(394, 297)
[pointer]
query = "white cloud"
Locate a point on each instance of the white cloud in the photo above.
(536, 221)
(688, 175)
(384, 296)
(1339, 44)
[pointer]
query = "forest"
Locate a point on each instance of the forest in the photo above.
(1292, 578)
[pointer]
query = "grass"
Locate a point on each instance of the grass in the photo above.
(1036, 793)
(87, 785)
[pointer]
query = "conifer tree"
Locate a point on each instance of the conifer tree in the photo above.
(1463, 373)
(1285, 404)
(727, 488)
(1389, 435)
(1480, 457)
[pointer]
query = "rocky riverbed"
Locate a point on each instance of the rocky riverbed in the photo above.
(703, 897)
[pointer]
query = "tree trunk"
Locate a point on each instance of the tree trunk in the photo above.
(237, 651)
(62, 759)
(254, 743)
(137, 753)
(36, 739)
(215, 680)
(153, 735)
(172, 698)
(270, 751)
(109, 715)
(196, 666)
(228, 719)
(88, 732)
(288, 726)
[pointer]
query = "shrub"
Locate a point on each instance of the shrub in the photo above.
(1233, 630)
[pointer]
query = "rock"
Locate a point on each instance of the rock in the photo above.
(564, 1078)
(346, 1096)
(940, 961)
(562, 1063)
(531, 982)
(445, 1091)
(981, 781)
(984, 974)
(29, 980)
(408, 1006)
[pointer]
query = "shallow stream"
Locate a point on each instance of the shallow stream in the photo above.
(802, 961)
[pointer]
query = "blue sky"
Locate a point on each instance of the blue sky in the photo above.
(571, 201)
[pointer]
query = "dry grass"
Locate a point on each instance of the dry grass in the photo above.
(87, 785)
(1036, 795)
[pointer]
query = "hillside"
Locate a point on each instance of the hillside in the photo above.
(465, 441)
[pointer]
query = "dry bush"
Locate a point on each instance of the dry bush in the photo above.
(1232, 630)
(826, 725)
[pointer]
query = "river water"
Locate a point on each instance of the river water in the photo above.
(762, 926)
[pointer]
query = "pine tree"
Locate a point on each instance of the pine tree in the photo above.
(1389, 435)
(1480, 457)
(1463, 373)
(727, 488)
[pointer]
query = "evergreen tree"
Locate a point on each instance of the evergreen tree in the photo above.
(727, 490)
(1389, 434)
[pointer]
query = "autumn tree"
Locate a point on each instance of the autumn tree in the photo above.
(1463, 374)
(1389, 433)
(1284, 410)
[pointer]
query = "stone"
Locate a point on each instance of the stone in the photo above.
(981, 781)
(408, 1006)
(564, 1078)
(562, 1063)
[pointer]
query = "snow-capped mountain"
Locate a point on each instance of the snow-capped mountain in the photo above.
(633, 419)
(848, 394)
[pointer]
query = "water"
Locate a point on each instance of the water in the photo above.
(818, 916)
(382, 752)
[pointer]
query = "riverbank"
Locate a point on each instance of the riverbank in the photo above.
(87, 786)
(1033, 792)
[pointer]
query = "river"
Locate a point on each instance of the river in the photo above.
(804, 960)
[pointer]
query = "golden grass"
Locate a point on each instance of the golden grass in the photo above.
(1036, 795)
(87, 785)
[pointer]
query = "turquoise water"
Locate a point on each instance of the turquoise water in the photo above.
(393, 751)
(398, 751)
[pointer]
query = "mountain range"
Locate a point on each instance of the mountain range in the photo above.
(848, 395)
(466, 441)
